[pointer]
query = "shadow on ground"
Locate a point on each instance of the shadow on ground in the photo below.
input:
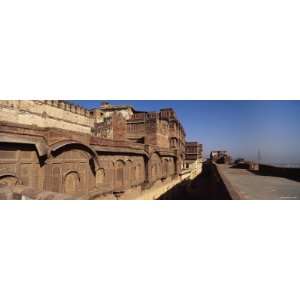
(206, 186)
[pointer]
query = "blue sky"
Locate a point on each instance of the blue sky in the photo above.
(241, 127)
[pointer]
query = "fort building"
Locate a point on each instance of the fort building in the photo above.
(220, 156)
(193, 151)
(194, 157)
(110, 152)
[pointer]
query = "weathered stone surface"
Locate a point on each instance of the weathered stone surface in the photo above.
(49, 149)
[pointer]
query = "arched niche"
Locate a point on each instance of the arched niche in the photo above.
(66, 157)
(131, 172)
(9, 180)
(165, 168)
(72, 183)
(100, 176)
(120, 174)
(66, 145)
(155, 167)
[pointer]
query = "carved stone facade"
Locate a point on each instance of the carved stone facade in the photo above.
(112, 152)
(194, 157)
(193, 151)
(220, 156)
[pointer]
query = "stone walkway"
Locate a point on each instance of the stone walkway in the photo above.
(251, 186)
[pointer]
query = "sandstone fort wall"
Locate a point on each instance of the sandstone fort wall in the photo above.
(62, 148)
(47, 114)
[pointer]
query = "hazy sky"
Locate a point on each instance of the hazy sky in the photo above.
(241, 127)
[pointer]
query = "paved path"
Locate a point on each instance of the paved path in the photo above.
(252, 186)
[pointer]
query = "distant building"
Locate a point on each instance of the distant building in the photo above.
(161, 129)
(193, 151)
(220, 156)
(193, 156)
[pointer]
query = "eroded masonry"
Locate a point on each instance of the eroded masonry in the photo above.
(110, 152)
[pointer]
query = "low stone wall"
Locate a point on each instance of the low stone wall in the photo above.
(196, 170)
(162, 186)
(222, 188)
(290, 173)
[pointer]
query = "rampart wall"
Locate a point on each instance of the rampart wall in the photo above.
(50, 113)
(269, 170)
(78, 164)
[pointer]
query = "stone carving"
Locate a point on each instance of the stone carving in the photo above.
(92, 153)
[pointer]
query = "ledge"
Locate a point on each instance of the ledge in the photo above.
(233, 193)
(40, 145)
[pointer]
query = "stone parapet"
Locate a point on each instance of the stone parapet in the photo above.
(49, 113)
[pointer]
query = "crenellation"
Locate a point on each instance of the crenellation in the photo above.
(48, 113)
